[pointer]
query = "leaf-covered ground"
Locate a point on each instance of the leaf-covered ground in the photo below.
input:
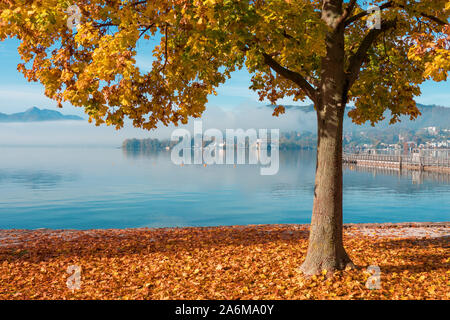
(252, 262)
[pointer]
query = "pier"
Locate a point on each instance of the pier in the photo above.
(413, 161)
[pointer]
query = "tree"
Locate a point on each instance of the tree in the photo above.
(320, 49)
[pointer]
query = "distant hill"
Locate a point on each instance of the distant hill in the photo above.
(35, 114)
(432, 116)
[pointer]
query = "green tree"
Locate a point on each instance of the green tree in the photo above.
(320, 49)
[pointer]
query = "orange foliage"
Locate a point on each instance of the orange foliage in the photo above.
(254, 262)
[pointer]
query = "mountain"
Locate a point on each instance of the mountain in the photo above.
(35, 114)
(432, 116)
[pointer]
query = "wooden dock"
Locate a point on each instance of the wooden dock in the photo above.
(398, 162)
(417, 177)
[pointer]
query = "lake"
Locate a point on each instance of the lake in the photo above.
(84, 188)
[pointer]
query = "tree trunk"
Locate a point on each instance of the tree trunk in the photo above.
(326, 250)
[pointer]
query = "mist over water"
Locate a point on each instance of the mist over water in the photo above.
(83, 188)
(82, 133)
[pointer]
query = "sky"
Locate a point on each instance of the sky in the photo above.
(235, 106)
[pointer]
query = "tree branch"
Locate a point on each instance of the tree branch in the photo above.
(390, 4)
(434, 19)
(146, 29)
(291, 75)
(362, 14)
(357, 59)
(165, 51)
(348, 10)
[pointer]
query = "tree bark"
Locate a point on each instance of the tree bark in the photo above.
(326, 250)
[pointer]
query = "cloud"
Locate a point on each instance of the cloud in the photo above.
(244, 116)
(435, 98)
(145, 64)
(242, 90)
(63, 133)
(18, 98)
(22, 93)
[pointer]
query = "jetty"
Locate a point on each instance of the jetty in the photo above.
(413, 161)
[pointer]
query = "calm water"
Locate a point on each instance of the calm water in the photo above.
(84, 188)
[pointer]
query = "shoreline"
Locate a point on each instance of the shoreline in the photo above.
(425, 224)
(17, 237)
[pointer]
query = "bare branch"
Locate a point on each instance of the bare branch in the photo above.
(146, 29)
(390, 4)
(104, 24)
(288, 36)
(362, 14)
(291, 75)
(165, 50)
(348, 10)
(434, 19)
(357, 59)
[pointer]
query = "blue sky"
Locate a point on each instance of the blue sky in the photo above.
(16, 94)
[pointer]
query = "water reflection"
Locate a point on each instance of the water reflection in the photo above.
(34, 179)
(111, 188)
(297, 173)
(414, 176)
